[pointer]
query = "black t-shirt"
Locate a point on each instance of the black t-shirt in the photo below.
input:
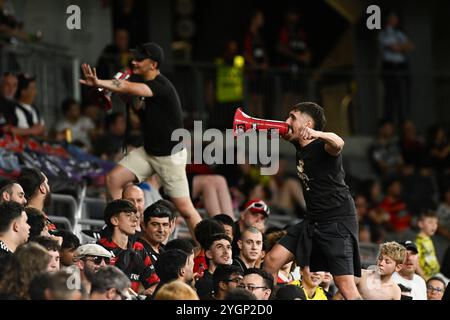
(205, 286)
(160, 116)
(239, 263)
(326, 195)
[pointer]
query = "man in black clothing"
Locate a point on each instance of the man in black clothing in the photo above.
(250, 247)
(218, 251)
(326, 240)
(173, 265)
(159, 109)
(225, 278)
(14, 230)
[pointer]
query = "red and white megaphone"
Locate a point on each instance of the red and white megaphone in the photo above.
(102, 97)
(243, 123)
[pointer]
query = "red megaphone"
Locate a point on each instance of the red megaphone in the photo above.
(102, 97)
(243, 123)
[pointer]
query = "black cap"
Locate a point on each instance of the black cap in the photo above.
(409, 245)
(23, 80)
(149, 50)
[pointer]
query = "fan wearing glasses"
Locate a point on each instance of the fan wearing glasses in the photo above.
(258, 282)
(89, 259)
(435, 288)
(225, 278)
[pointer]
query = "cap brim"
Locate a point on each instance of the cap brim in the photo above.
(137, 54)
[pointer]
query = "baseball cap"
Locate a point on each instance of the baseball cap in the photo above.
(92, 249)
(409, 245)
(149, 50)
(257, 206)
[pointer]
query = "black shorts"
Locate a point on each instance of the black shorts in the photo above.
(326, 246)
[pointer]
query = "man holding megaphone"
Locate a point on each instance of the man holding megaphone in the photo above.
(159, 110)
(327, 239)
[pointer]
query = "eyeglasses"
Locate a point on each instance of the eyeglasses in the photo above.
(260, 207)
(431, 288)
(250, 287)
(97, 260)
(235, 280)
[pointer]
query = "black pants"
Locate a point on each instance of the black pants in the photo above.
(396, 82)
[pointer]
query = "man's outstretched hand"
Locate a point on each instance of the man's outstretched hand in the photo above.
(90, 76)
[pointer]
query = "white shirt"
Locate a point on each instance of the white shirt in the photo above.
(389, 37)
(417, 285)
(22, 122)
(80, 130)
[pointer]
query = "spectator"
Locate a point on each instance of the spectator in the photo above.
(89, 259)
(438, 146)
(36, 221)
(394, 45)
(172, 219)
(290, 292)
(407, 275)
(218, 251)
(121, 218)
(310, 284)
(296, 57)
(412, 145)
(428, 262)
(203, 232)
(174, 265)
(250, 247)
(176, 290)
(53, 248)
(69, 245)
(53, 286)
(182, 244)
(37, 191)
(155, 231)
(395, 206)
(255, 214)
(81, 127)
(435, 288)
(256, 59)
(328, 285)
(239, 294)
(116, 56)
(377, 284)
(443, 213)
(14, 229)
(258, 282)
(26, 119)
(135, 195)
(227, 223)
(108, 145)
(12, 191)
(28, 261)
(110, 283)
(228, 91)
(384, 153)
(420, 188)
(225, 278)
(8, 88)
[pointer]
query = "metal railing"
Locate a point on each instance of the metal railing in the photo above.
(56, 70)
